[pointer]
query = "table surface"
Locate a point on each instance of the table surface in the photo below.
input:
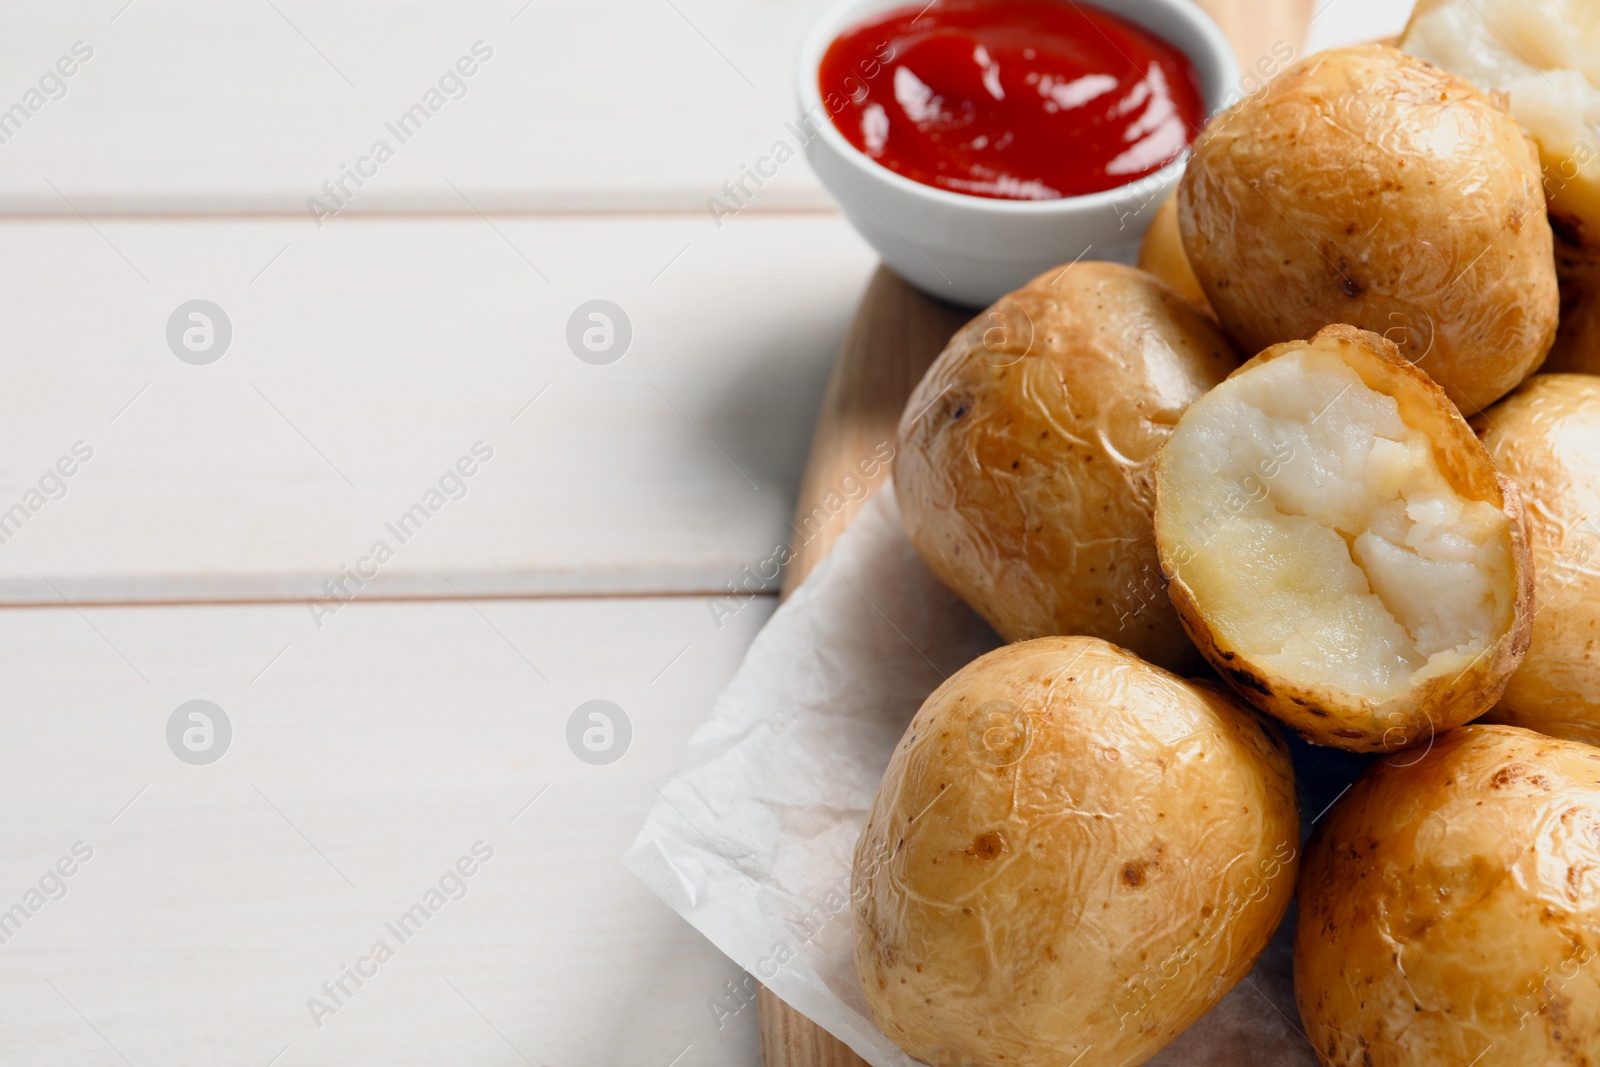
(384, 727)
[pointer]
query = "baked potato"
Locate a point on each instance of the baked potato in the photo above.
(1367, 187)
(1545, 437)
(1340, 546)
(1026, 456)
(1161, 253)
(1450, 908)
(1073, 855)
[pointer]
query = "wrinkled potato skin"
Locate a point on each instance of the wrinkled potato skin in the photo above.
(1363, 186)
(1161, 253)
(1025, 467)
(1545, 437)
(1450, 902)
(1327, 716)
(1087, 885)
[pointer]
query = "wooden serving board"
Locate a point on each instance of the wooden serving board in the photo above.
(896, 334)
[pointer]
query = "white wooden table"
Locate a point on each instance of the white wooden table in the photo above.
(191, 554)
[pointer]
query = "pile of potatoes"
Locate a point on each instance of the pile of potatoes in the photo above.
(1381, 531)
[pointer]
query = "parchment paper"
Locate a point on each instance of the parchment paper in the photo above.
(752, 839)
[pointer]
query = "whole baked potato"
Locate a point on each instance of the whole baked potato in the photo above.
(1025, 468)
(1450, 908)
(1366, 187)
(1341, 547)
(1545, 437)
(1073, 855)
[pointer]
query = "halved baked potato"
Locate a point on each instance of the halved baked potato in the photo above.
(1341, 547)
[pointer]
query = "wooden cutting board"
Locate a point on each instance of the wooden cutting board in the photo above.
(896, 333)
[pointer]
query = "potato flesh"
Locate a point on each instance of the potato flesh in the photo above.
(1321, 539)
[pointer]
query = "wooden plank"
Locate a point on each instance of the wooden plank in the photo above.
(188, 106)
(364, 762)
(367, 359)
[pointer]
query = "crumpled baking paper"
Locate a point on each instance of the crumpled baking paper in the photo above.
(752, 840)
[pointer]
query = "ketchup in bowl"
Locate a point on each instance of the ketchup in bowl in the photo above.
(1012, 99)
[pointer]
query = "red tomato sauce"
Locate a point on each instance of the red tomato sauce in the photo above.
(1013, 99)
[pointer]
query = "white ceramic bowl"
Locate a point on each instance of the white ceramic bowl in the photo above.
(974, 249)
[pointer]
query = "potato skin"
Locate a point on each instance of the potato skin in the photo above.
(1025, 466)
(1367, 187)
(1072, 853)
(1161, 253)
(1327, 716)
(1450, 902)
(1545, 437)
